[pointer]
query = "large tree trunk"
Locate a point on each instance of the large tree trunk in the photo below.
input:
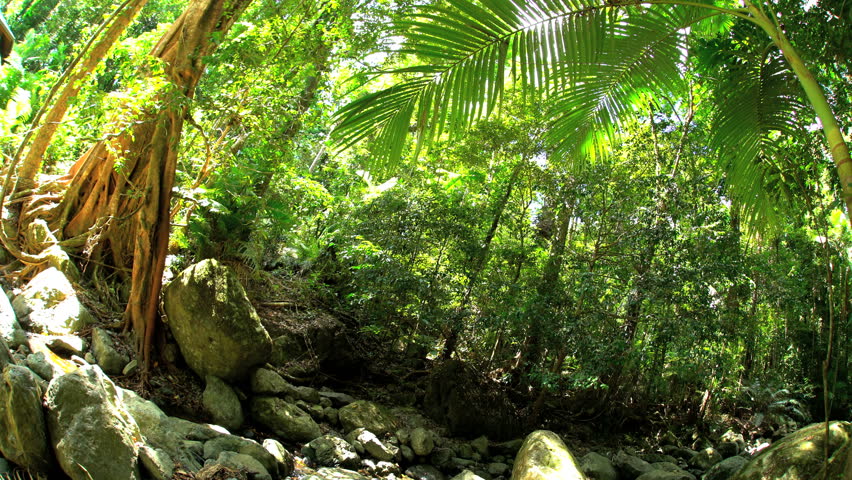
(117, 200)
(73, 82)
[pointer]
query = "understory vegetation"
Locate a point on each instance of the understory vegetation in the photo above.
(611, 220)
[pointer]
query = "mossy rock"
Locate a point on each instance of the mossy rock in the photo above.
(799, 456)
(544, 456)
(217, 329)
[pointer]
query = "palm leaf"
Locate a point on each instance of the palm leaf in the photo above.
(590, 58)
(758, 103)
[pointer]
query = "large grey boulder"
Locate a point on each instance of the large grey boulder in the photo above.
(375, 447)
(23, 432)
(284, 419)
(544, 456)
(49, 304)
(92, 433)
(598, 467)
(217, 329)
(10, 329)
(368, 415)
(222, 403)
(242, 462)
(798, 456)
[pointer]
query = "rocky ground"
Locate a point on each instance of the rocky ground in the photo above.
(245, 396)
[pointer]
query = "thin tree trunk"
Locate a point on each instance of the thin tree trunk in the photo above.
(480, 260)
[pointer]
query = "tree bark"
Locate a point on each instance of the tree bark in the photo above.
(32, 162)
(122, 214)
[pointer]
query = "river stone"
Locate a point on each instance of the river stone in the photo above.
(109, 358)
(543, 456)
(673, 468)
(480, 445)
(264, 381)
(282, 457)
(157, 463)
(798, 456)
(706, 458)
(217, 329)
(598, 467)
(92, 433)
(364, 414)
(331, 451)
(327, 473)
(467, 475)
(375, 447)
(10, 329)
(214, 447)
(222, 403)
(49, 304)
(240, 461)
(23, 432)
(338, 399)
(725, 469)
(630, 466)
(425, 472)
(284, 419)
(665, 475)
(39, 364)
(422, 441)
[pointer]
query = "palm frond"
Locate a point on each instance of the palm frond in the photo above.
(591, 57)
(758, 104)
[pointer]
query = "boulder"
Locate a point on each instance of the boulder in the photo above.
(497, 469)
(23, 432)
(38, 363)
(336, 474)
(543, 456)
(468, 404)
(375, 447)
(425, 472)
(368, 415)
(331, 451)
(598, 467)
(217, 329)
(10, 329)
(665, 475)
(422, 441)
(282, 457)
(214, 447)
(109, 358)
(725, 469)
(264, 381)
(480, 445)
(284, 419)
(157, 463)
(49, 304)
(467, 475)
(670, 467)
(242, 462)
(799, 456)
(337, 399)
(92, 433)
(706, 458)
(317, 341)
(222, 403)
(630, 466)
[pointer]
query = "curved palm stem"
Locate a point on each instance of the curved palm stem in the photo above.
(837, 147)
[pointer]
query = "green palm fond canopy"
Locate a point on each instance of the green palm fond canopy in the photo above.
(591, 61)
